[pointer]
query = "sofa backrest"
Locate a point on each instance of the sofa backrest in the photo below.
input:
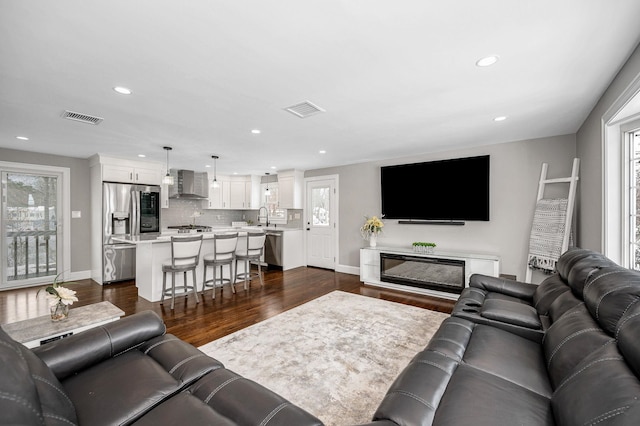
(30, 393)
(600, 352)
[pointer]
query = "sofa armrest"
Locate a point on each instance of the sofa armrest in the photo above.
(512, 288)
(75, 353)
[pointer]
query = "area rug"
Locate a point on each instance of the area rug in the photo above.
(334, 356)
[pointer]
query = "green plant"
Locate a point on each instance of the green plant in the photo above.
(421, 244)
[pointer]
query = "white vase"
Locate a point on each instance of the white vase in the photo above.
(373, 240)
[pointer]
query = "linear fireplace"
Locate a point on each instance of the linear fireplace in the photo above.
(424, 272)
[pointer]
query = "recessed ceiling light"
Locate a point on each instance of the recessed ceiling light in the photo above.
(235, 173)
(141, 155)
(256, 131)
(322, 151)
(122, 90)
(207, 165)
(500, 118)
(22, 138)
(487, 61)
(273, 167)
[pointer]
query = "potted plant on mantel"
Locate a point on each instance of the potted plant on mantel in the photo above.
(370, 230)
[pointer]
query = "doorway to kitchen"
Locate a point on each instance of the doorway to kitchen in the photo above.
(33, 224)
(322, 221)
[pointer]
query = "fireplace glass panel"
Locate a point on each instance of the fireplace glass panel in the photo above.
(430, 273)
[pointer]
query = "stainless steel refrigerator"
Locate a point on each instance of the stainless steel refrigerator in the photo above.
(127, 210)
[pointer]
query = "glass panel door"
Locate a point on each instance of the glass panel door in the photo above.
(29, 227)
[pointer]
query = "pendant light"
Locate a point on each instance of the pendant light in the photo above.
(214, 183)
(267, 192)
(167, 179)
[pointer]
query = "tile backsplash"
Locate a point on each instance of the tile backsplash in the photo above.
(189, 212)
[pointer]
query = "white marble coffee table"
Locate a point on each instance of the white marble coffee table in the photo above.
(38, 331)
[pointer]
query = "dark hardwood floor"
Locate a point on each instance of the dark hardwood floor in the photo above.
(211, 319)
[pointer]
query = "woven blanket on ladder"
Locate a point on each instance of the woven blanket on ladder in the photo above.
(547, 232)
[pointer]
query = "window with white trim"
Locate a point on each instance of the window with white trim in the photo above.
(633, 202)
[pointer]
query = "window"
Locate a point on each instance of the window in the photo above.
(633, 178)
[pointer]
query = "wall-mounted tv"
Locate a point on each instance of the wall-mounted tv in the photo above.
(445, 190)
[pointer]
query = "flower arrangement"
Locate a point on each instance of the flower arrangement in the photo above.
(372, 226)
(60, 298)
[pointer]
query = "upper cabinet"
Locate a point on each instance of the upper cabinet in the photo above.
(126, 171)
(233, 193)
(290, 189)
(218, 196)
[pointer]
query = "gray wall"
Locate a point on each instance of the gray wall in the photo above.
(515, 170)
(80, 199)
(589, 149)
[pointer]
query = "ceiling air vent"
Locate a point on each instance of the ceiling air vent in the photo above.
(304, 109)
(76, 116)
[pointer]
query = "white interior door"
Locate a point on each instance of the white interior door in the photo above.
(321, 222)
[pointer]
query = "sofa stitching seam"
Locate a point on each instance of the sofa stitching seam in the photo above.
(184, 361)
(155, 345)
(60, 418)
(571, 377)
(567, 339)
(21, 401)
(216, 390)
(273, 413)
(607, 415)
(48, 382)
(413, 396)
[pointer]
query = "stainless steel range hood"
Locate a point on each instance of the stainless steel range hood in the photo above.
(189, 185)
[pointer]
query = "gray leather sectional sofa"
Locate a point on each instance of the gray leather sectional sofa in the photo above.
(131, 372)
(566, 352)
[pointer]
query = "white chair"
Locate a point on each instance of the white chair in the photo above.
(224, 248)
(252, 253)
(185, 254)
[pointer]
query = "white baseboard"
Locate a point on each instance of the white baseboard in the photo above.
(77, 275)
(346, 269)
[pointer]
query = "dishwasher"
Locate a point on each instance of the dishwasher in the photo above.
(273, 249)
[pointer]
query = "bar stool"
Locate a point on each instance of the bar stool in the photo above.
(224, 248)
(252, 253)
(185, 253)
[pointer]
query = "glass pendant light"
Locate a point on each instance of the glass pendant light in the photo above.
(214, 183)
(167, 179)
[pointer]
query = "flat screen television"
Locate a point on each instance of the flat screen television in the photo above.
(445, 190)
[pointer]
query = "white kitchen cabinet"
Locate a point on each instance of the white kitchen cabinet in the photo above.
(131, 174)
(238, 195)
(164, 196)
(243, 193)
(218, 197)
(290, 189)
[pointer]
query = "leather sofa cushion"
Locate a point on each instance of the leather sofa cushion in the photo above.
(246, 402)
(512, 313)
(609, 293)
(569, 340)
(475, 397)
(471, 374)
(119, 390)
(563, 303)
(511, 357)
(183, 409)
(601, 390)
(547, 292)
(29, 392)
(183, 361)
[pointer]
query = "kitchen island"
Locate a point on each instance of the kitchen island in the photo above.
(153, 250)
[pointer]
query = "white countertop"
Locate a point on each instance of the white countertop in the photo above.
(165, 236)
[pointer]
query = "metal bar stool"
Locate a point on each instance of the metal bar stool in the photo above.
(252, 253)
(185, 253)
(224, 248)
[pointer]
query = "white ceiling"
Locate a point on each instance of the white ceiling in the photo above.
(396, 78)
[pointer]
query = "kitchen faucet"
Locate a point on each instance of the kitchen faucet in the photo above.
(266, 215)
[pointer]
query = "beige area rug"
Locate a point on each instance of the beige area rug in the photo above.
(335, 356)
